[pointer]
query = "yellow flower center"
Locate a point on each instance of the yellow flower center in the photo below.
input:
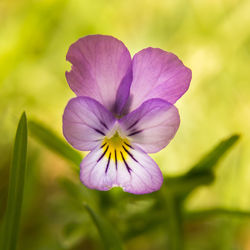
(116, 148)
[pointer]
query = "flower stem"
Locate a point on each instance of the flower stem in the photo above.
(175, 232)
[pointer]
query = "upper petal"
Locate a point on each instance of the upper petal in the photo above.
(99, 65)
(152, 125)
(157, 74)
(86, 122)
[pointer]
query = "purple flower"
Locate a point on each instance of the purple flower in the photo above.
(123, 110)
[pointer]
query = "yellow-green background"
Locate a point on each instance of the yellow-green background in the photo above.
(211, 37)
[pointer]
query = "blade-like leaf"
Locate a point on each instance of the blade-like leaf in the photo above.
(183, 184)
(207, 213)
(202, 172)
(210, 160)
(54, 142)
(16, 186)
(110, 238)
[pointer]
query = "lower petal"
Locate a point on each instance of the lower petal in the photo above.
(145, 175)
(131, 169)
(97, 171)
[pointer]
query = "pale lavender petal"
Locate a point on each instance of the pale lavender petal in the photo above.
(144, 175)
(99, 64)
(98, 171)
(152, 125)
(86, 122)
(158, 74)
(135, 172)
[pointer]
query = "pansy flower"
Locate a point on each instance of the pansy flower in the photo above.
(124, 110)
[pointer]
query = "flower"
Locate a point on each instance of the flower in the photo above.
(123, 110)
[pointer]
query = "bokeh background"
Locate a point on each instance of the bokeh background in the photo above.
(212, 37)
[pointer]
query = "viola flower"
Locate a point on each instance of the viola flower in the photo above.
(124, 109)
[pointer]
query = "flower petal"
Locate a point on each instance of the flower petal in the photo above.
(99, 65)
(86, 122)
(144, 176)
(158, 74)
(152, 125)
(123, 93)
(98, 170)
(136, 173)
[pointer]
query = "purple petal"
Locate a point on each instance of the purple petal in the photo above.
(99, 65)
(86, 122)
(136, 172)
(158, 74)
(152, 125)
(123, 92)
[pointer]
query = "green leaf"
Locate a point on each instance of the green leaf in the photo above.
(213, 212)
(183, 184)
(16, 186)
(54, 143)
(209, 161)
(202, 172)
(110, 238)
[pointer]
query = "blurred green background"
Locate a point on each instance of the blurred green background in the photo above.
(211, 37)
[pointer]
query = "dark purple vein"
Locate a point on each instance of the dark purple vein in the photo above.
(103, 124)
(103, 153)
(98, 131)
(115, 160)
(133, 124)
(129, 154)
(107, 166)
(135, 132)
(128, 145)
(126, 164)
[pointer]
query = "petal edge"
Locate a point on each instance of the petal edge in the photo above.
(158, 74)
(99, 63)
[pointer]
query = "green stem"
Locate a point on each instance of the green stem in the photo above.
(175, 231)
